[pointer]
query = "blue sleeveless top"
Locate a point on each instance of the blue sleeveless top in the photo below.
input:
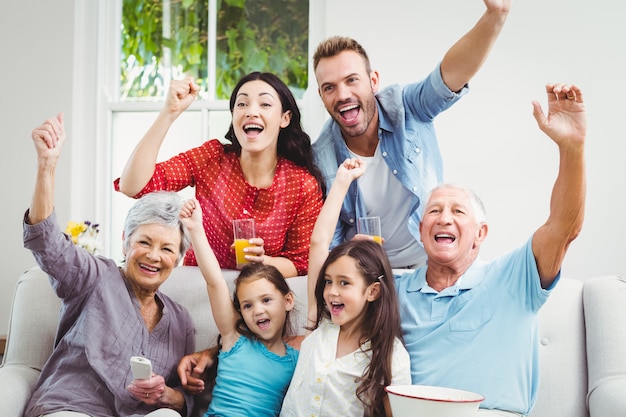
(251, 380)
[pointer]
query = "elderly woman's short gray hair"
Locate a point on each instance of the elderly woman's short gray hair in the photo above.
(160, 207)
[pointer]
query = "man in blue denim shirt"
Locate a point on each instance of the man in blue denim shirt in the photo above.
(408, 163)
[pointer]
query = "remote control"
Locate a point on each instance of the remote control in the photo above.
(141, 367)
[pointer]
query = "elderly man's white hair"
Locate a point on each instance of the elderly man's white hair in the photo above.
(480, 214)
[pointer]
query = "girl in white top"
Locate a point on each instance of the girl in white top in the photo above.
(353, 347)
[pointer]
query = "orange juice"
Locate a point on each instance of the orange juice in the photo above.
(240, 244)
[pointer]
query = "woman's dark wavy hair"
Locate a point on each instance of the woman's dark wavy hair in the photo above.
(381, 321)
(294, 144)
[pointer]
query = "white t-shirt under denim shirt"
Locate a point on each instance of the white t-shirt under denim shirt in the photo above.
(385, 197)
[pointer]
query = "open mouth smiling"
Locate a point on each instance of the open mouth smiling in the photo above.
(149, 268)
(336, 308)
(253, 127)
(349, 113)
(444, 238)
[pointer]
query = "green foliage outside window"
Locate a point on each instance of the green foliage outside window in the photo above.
(252, 35)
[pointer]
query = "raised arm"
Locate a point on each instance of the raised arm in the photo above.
(140, 166)
(48, 140)
(224, 312)
(566, 125)
(324, 228)
(467, 55)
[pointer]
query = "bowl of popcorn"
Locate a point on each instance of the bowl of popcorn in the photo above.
(429, 401)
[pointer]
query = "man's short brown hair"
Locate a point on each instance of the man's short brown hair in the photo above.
(336, 44)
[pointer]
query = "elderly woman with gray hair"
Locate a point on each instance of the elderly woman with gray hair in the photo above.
(109, 313)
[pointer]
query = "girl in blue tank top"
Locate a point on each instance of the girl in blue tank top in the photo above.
(255, 365)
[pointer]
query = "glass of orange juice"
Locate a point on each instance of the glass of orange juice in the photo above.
(370, 226)
(244, 231)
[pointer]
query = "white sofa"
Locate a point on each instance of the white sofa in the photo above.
(583, 340)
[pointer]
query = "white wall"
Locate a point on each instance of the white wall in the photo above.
(36, 76)
(489, 139)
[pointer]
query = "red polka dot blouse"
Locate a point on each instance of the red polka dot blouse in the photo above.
(284, 213)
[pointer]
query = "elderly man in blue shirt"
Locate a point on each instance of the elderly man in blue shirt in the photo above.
(392, 131)
(470, 324)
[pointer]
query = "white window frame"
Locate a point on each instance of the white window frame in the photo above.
(95, 83)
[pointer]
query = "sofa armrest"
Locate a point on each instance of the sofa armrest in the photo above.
(604, 301)
(32, 327)
(33, 321)
(16, 387)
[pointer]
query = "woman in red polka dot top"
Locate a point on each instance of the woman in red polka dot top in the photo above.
(266, 173)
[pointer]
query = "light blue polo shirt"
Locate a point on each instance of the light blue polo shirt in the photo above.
(479, 335)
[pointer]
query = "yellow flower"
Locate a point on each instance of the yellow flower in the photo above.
(85, 235)
(75, 229)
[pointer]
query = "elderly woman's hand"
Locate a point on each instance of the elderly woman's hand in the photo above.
(153, 391)
(150, 391)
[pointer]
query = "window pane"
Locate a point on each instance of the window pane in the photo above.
(219, 122)
(270, 36)
(161, 40)
(168, 39)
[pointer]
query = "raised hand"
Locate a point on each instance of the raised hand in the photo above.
(350, 170)
(49, 138)
(191, 215)
(498, 5)
(566, 121)
(566, 125)
(180, 95)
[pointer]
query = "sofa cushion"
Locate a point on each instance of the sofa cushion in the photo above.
(562, 357)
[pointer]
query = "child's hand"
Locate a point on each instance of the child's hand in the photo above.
(350, 170)
(191, 214)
